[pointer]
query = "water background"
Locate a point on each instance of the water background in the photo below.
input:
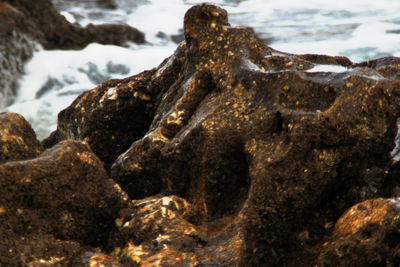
(358, 29)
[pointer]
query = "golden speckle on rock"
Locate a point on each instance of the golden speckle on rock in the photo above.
(214, 14)
(26, 180)
(86, 157)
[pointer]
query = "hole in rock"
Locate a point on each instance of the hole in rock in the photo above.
(226, 186)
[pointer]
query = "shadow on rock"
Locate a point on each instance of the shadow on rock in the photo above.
(238, 154)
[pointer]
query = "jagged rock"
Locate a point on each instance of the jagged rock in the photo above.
(367, 234)
(103, 117)
(266, 150)
(17, 138)
(156, 232)
(55, 205)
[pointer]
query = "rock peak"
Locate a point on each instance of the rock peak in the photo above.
(204, 18)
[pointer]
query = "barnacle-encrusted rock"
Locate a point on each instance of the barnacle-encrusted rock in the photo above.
(366, 235)
(258, 151)
(55, 205)
(17, 138)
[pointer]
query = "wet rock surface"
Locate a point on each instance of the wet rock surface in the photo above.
(233, 153)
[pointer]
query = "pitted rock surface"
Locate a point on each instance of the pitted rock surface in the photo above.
(365, 235)
(265, 150)
(56, 205)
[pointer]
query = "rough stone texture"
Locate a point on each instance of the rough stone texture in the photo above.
(368, 234)
(148, 234)
(55, 205)
(17, 138)
(95, 116)
(240, 154)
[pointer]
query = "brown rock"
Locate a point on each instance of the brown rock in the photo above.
(265, 152)
(96, 117)
(367, 234)
(103, 116)
(156, 232)
(17, 138)
(55, 205)
(53, 31)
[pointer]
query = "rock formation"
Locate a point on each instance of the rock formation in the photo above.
(17, 138)
(233, 153)
(366, 235)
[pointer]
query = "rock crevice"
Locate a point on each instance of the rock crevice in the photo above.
(237, 154)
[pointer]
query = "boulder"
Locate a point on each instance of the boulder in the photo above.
(56, 206)
(239, 154)
(103, 117)
(17, 138)
(53, 31)
(367, 234)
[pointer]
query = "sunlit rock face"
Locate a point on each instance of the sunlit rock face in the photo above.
(367, 234)
(17, 138)
(235, 153)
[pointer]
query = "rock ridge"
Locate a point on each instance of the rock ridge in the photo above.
(230, 153)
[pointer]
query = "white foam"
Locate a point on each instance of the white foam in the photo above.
(395, 153)
(66, 67)
(327, 68)
(359, 29)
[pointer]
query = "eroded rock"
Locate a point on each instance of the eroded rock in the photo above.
(54, 206)
(265, 149)
(96, 117)
(367, 234)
